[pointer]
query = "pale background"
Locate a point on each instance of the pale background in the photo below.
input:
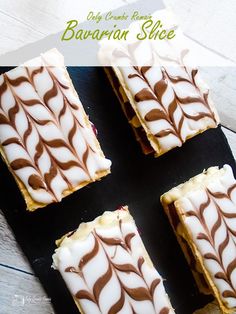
(212, 23)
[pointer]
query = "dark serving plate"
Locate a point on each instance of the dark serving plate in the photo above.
(136, 180)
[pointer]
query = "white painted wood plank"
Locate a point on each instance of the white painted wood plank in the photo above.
(10, 252)
(22, 293)
(17, 34)
(210, 22)
(221, 81)
(26, 21)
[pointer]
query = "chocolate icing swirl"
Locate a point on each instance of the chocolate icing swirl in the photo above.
(40, 117)
(170, 102)
(140, 293)
(218, 249)
(168, 114)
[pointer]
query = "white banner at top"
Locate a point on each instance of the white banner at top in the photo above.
(141, 33)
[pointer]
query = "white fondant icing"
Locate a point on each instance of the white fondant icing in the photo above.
(44, 120)
(111, 225)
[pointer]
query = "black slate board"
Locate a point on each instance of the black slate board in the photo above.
(136, 180)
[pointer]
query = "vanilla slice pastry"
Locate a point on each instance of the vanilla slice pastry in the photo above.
(202, 212)
(46, 138)
(107, 268)
(164, 105)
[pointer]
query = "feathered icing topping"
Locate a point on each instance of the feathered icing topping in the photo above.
(207, 207)
(170, 102)
(109, 270)
(46, 137)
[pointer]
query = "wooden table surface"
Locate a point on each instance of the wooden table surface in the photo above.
(20, 289)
